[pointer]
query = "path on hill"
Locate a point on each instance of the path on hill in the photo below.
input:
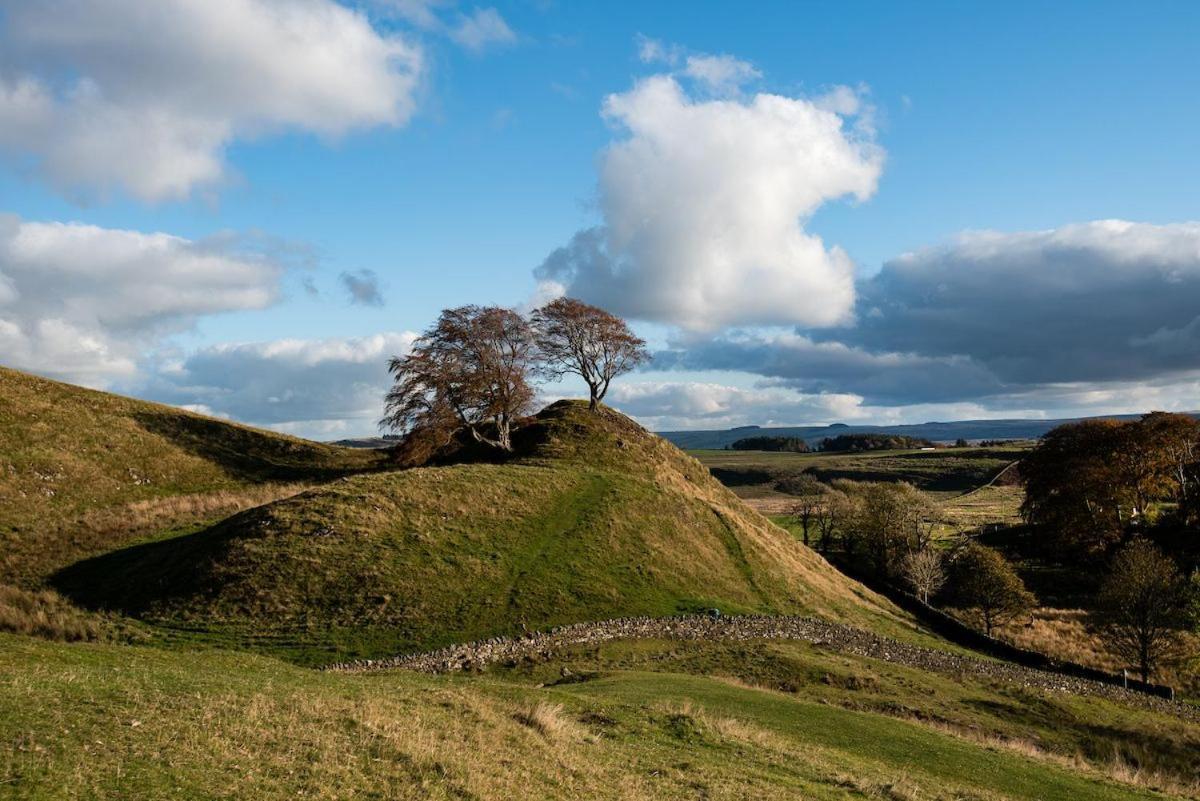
(835, 636)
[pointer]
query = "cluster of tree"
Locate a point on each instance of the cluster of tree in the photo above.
(788, 444)
(1090, 485)
(1145, 606)
(473, 369)
(887, 530)
(855, 443)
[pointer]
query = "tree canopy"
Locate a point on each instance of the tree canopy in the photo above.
(574, 337)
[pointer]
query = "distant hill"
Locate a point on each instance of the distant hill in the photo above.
(593, 518)
(81, 468)
(717, 439)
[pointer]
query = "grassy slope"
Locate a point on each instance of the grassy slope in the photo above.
(597, 519)
(81, 471)
(110, 721)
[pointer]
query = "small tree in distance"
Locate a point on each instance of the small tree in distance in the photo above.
(469, 370)
(1145, 604)
(810, 494)
(574, 337)
(924, 572)
(982, 580)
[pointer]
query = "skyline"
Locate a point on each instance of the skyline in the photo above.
(884, 215)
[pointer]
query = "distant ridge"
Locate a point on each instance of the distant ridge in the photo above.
(936, 431)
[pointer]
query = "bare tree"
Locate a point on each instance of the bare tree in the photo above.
(810, 494)
(924, 572)
(469, 370)
(1144, 603)
(828, 515)
(576, 338)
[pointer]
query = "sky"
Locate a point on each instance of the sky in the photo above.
(813, 213)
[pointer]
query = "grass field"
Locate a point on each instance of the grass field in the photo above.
(92, 721)
(945, 473)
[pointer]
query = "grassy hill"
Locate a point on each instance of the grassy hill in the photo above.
(102, 721)
(594, 518)
(84, 471)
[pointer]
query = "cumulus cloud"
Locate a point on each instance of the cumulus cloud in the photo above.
(81, 302)
(481, 29)
(363, 287)
(1075, 319)
(1099, 301)
(310, 387)
(704, 203)
(146, 96)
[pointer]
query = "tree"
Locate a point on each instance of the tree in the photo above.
(1144, 604)
(576, 338)
(810, 497)
(982, 580)
(829, 515)
(924, 572)
(890, 521)
(1175, 440)
(1075, 487)
(470, 370)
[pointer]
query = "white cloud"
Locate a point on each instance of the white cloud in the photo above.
(654, 51)
(82, 303)
(310, 387)
(481, 29)
(723, 75)
(704, 204)
(146, 96)
(666, 405)
(1092, 318)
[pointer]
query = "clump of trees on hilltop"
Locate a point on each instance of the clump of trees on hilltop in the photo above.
(472, 370)
(776, 444)
(856, 443)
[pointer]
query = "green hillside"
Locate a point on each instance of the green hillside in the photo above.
(595, 518)
(102, 721)
(84, 471)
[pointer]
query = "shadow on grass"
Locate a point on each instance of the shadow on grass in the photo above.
(140, 578)
(252, 455)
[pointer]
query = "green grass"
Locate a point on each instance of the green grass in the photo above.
(596, 519)
(945, 472)
(82, 472)
(1102, 733)
(99, 721)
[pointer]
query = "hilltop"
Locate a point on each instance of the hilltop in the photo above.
(85, 471)
(592, 518)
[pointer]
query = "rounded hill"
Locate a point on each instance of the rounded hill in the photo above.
(592, 518)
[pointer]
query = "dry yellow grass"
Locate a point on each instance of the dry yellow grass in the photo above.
(48, 615)
(1067, 634)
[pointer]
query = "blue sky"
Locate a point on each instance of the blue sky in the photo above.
(448, 149)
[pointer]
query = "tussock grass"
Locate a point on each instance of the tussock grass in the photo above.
(548, 720)
(48, 615)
